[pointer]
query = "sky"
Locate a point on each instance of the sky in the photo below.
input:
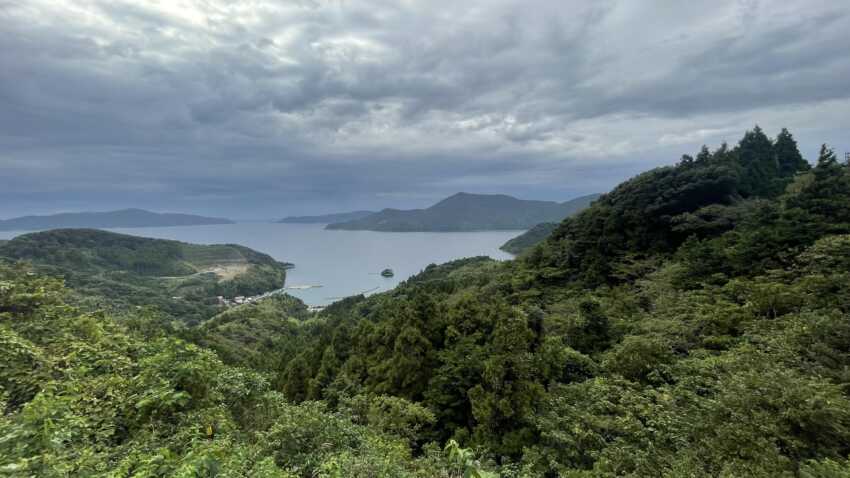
(255, 109)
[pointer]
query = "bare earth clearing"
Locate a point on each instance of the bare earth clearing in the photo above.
(228, 271)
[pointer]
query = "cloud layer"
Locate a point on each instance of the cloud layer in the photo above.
(258, 108)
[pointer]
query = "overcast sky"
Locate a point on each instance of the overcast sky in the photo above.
(260, 109)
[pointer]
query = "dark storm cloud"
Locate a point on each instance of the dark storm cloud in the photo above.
(782, 65)
(258, 108)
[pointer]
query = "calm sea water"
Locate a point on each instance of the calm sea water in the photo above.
(343, 263)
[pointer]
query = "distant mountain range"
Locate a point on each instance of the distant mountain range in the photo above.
(469, 212)
(109, 219)
(327, 218)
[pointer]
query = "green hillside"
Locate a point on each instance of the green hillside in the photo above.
(84, 395)
(122, 270)
(694, 321)
(259, 335)
(529, 238)
(469, 212)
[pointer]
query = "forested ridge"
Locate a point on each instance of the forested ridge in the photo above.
(119, 271)
(529, 238)
(695, 321)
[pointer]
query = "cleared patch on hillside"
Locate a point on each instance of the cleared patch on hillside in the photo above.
(228, 271)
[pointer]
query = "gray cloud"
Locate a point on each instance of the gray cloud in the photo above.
(260, 108)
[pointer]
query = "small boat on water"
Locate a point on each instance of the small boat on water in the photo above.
(387, 273)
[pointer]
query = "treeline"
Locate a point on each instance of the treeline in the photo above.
(654, 213)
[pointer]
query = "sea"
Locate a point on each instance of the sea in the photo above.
(331, 265)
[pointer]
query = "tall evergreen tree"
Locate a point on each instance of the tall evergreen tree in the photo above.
(826, 160)
(827, 195)
(704, 155)
(788, 156)
(759, 164)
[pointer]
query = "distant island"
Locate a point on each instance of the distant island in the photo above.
(326, 218)
(108, 219)
(469, 212)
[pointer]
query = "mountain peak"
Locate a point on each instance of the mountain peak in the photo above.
(465, 211)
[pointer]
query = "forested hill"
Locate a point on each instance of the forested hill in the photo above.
(694, 321)
(529, 238)
(326, 218)
(469, 212)
(110, 219)
(179, 278)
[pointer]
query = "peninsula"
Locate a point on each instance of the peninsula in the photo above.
(326, 218)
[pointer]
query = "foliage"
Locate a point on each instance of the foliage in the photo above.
(258, 335)
(84, 396)
(655, 212)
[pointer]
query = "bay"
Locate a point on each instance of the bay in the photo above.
(342, 263)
